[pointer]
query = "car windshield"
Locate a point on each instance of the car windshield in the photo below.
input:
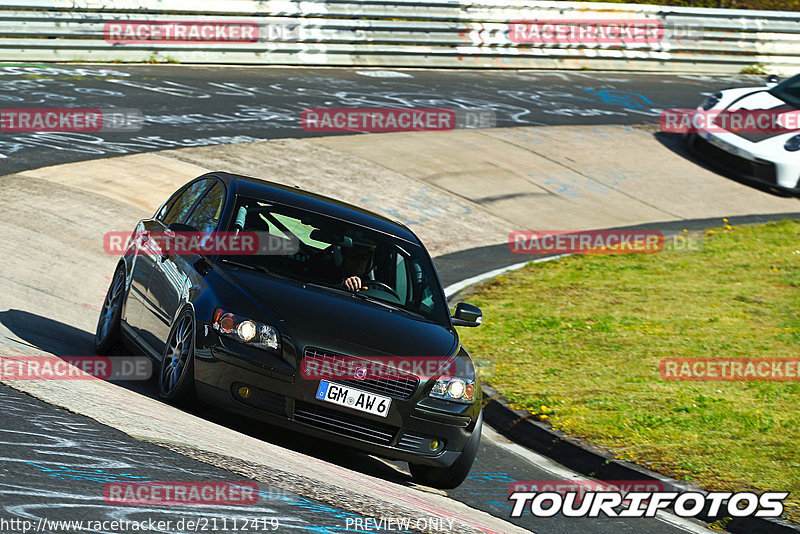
(788, 91)
(326, 251)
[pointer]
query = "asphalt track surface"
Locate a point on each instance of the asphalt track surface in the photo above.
(205, 106)
(53, 463)
(54, 466)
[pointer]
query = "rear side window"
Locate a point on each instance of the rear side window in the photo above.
(401, 276)
(206, 215)
(180, 208)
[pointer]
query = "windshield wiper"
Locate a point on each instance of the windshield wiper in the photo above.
(386, 304)
(258, 268)
(362, 296)
(373, 299)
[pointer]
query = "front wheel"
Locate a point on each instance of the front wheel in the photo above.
(108, 324)
(176, 377)
(450, 477)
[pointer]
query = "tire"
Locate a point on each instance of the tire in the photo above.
(108, 331)
(450, 477)
(176, 373)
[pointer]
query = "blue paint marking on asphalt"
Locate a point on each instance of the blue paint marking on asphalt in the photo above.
(101, 476)
(626, 99)
(91, 475)
(372, 530)
(420, 203)
(595, 182)
(492, 477)
(307, 504)
(563, 188)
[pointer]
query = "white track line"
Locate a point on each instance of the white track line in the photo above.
(452, 289)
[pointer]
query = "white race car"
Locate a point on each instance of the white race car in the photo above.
(762, 155)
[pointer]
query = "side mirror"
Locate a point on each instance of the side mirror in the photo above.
(771, 80)
(180, 227)
(467, 315)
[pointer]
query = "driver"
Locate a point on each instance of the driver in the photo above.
(356, 263)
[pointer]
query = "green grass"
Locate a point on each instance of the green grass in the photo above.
(753, 69)
(778, 5)
(578, 342)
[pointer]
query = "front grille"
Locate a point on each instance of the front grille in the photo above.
(760, 170)
(343, 424)
(399, 385)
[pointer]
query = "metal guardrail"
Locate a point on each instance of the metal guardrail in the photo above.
(402, 33)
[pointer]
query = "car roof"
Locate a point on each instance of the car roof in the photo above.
(299, 198)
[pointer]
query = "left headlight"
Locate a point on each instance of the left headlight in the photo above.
(793, 144)
(246, 330)
(454, 389)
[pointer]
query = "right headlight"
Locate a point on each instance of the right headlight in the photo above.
(793, 144)
(454, 389)
(711, 101)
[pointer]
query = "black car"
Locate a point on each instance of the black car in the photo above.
(239, 329)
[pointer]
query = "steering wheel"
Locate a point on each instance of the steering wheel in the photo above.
(380, 285)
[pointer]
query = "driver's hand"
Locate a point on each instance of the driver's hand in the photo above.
(353, 283)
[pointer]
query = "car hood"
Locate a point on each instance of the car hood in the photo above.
(317, 317)
(755, 100)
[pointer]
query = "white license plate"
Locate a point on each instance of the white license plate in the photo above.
(354, 398)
